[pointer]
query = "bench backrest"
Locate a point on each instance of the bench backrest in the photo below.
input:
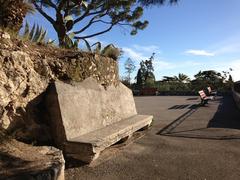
(87, 106)
(209, 89)
(202, 94)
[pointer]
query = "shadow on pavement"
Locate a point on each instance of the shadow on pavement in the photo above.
(183, 106)
(190, 99)
(223, 126)
(227, 115)
(167, 129)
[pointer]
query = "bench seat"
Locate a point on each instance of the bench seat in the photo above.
(88, 146)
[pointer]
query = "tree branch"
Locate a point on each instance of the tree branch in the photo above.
(60, 6)
(124, 24)
(96, 34)
(105, 22)
(44, 14)
(92, 22)
(50, 3)
(81, 17)
(86, 13)
(87, 26)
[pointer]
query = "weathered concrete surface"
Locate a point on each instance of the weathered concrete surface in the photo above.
(22, 161)
(198, 154)
(91, 144)
(91, 116)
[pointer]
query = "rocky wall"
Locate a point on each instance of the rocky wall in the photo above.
(25, 72)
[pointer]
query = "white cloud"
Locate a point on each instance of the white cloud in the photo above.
(133, 54)
(138, 52)
(147, 49)
(228, 48)
(228, 45)
(197, 52)
(162, 65)
(190, 64)
(159, 63)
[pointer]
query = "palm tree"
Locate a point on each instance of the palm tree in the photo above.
(183, 78)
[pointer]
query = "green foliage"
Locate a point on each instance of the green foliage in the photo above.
(70, 43)
(145, 76)
(203, 79)
(140, 78)
(111, 51)
(26, 31)
(183, 78)
(156, 2)
(150, 81)
(207, 78)
(175, 86)
(183, 85)
(37, 35)
(169, 79)
(31, 32)
(87, 45)
(98, 47)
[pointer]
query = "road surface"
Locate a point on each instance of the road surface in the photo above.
(185, 142)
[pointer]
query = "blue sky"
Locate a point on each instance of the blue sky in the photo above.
(189, 37)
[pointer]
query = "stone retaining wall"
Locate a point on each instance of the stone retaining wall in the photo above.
(25, 72)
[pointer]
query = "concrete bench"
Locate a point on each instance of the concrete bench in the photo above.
(204, 97)
(86, 118)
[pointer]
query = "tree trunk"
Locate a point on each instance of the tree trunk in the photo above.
(61, 37)
(61, 30)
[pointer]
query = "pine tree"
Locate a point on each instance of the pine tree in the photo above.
(78, 16)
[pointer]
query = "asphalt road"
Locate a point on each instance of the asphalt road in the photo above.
(185, 142)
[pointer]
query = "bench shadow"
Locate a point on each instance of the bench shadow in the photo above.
(227, 116)
(183, 106)
(167, 129)
(190, 99)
